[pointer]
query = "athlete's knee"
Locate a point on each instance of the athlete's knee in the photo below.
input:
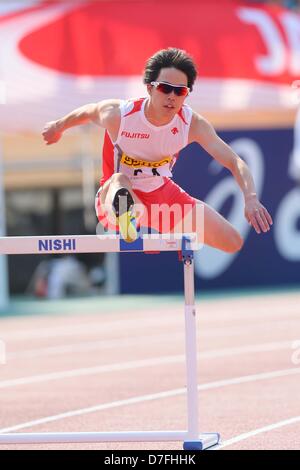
(120, 178)
(236, 242)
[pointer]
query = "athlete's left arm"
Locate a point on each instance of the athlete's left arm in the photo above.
(202, 132)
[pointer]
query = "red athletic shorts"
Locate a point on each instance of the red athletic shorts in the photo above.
(162, 208)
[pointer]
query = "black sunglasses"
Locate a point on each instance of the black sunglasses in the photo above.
(167, 88)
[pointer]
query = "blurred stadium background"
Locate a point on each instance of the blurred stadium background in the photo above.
(57, 55)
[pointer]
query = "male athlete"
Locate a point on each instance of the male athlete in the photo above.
(142, 141)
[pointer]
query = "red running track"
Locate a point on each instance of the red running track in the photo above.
(124, 370)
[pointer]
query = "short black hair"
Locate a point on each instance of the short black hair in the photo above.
(171, 57)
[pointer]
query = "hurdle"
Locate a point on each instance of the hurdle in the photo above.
(186, 245)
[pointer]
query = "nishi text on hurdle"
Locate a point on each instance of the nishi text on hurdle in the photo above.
(67, 244)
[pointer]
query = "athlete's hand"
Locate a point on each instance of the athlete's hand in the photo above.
(51, 132)
(257, 215)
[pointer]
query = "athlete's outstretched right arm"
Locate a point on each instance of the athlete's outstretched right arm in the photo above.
(105, 113)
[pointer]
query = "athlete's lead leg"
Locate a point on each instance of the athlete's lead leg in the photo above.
(219, 233)
(212, 228)
(118, 200)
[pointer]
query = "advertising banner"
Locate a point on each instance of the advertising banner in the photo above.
(272, 258)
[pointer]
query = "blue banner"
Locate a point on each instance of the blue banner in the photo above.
(267, 259)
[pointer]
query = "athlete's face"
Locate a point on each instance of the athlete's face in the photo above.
(168, 104)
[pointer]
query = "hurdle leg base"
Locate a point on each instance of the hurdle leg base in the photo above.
(205, 441)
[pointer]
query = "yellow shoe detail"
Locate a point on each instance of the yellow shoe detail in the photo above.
(127, 227)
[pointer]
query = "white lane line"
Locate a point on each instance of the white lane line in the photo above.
(260, 313)
(255, 432)
(133, 327)
(86, 328)
(154, 396)
(87, 346)
(91, 371)
(123, 342)
(171, 359)
(251, 378)
(249, 348)
(92, 409)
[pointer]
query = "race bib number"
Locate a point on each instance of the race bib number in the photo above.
(139, 168)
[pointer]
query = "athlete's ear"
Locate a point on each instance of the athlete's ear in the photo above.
(149, 88)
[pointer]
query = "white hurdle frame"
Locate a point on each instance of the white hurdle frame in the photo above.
(184, 243)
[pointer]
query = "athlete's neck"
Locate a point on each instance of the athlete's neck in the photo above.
(154, 116)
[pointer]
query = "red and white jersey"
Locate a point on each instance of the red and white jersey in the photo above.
(144, 152)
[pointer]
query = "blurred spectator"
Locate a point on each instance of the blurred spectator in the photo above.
(58, 278)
